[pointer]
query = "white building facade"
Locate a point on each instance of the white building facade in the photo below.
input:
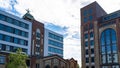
(15, 33)
(53, 43)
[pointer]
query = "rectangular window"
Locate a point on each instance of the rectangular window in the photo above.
(22, 24)
(55, 43)
(9, 29)
(1, 36)
(86, 44)
(38, 42)
(37, 66)
(7, 38)
(90, 18)
(38, 35)
(108, 47)
(26, 43)
(86, 52)
(85, 19)
(87, 60)
(1, 27)
(2, 17)
(86, 36)
(21, 42)
(103, 59)
(11, 48)
(103, 49)
(91, 34)
(3, 47)
(16, 40)
(92, 42)
(115, 58)
(16, 22)
(53, 36)
(9, 20)
(26, 26)
(2, 59)
(109, 58)
(26, 34)
(7, 48)
(24, 50)
(92, 51)
(92, 59)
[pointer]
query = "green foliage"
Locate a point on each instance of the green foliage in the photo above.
(17, 60)
(78, 66)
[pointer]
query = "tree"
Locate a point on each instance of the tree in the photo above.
(78, 66)
(17, 60)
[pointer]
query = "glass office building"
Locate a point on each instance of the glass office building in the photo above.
(100, 37)
(14, 33)
(53, 43)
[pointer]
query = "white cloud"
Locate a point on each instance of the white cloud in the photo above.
(63, 13)
(4, 4)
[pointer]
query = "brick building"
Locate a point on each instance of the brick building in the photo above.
(100, 42)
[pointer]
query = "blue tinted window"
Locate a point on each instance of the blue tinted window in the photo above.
(85, 19)
(90, 18)
(38, 35)
(2, 59)
(16, 22)
(114, 48)
(55, 50)
(1, 36)
(92, 42)
(55, 43)
(86, 44)
(85, 12)
(21, 42)
(55, 37)
(86, 36)
(102, 39)
(108, 45)
(2, 17)
(13, 30)
(17, 32)
(91, 26)
(26, 26)
(107, 39)
(26, 43)
(24, 50)
(16, 40)
(91, 34)
(12, 21)
(90, 11)
(108, 49)
(9, 29)
(103, 50)
(1, 27)
(7, 38)
(9, 20)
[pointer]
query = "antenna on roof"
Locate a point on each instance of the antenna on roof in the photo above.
(28, 11)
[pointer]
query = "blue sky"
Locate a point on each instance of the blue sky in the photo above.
(62, 16)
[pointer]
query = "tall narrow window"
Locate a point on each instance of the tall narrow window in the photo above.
(108, 47)
(38, 33)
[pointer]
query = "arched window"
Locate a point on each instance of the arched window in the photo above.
(38, 42)
(108, 47)
(38, 33)
(47, 66)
